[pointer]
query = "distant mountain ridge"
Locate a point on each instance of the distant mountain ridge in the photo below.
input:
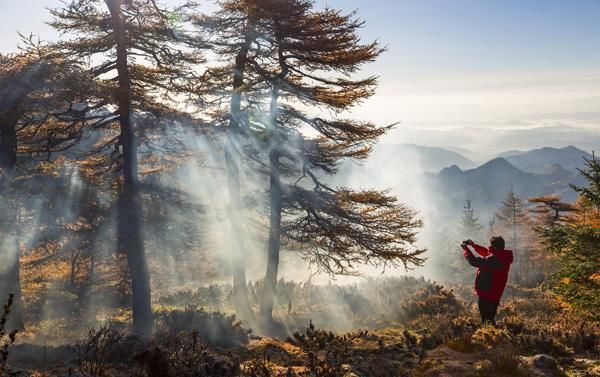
(440, 180)
(389, 165)
(543, 159)
(488, 184)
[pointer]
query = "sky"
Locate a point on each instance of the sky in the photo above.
(451, 62)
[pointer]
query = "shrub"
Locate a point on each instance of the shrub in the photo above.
(184, 355)
(101, 349)
(431, 300)
(213, 328)
(504, 360)
(326, 353)
(488, 337)
(540, 325)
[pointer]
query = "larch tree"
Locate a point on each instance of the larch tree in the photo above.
(549, 209)
(309, 60)
(39, 117)
(41, 108)
(143, 65)
(234, 34)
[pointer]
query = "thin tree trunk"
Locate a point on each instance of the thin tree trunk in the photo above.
(275, 196)
(233, 161)
(518, 265)
(274, 246)
(84, 297)
(8, 142)
(10, 281)
(130, 223)
(88, 244)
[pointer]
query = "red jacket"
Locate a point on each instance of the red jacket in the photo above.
(492, 270)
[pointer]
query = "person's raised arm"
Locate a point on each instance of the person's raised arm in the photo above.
(490, 262)
(472, 259)
(483, 251)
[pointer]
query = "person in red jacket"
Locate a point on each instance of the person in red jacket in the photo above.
(492, 265)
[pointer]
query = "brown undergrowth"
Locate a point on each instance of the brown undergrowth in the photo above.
(431, 332)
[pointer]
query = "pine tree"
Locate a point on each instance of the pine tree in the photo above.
(514, 223)
(470, 227)
(141, 72)
(576, 242)
(592, 174)
(512, 215)
(450, 257)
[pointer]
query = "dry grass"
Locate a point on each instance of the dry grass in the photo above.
(418, 339)
(463, 344)
(505, 360)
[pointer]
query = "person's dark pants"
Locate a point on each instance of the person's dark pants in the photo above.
(488, 309)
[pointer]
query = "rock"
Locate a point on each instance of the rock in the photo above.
(545, 362)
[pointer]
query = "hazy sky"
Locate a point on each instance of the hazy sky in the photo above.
(450, 60)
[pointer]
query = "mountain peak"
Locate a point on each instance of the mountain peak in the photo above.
(572, 148)
(498, 163)
(451, 170)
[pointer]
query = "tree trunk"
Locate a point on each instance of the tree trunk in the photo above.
(8, 142)
(10, 281)
(10, 266)
(274, 238)
(240, 293)
(88, 243)
(233, 161)
(275, 201)
(84, 294)
(130, 241)
(130, 236)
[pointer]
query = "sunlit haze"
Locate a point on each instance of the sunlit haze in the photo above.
(300, 188)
